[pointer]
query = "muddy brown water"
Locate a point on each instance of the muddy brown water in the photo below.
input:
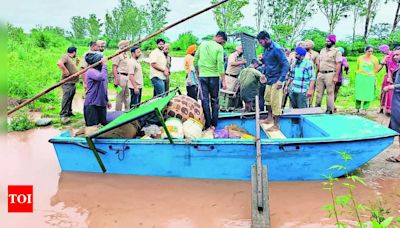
(99, 200)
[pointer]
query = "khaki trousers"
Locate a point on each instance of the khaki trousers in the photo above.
(123, 96)
(325, 81)
(273, 97)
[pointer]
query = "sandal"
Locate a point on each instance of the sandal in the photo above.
(393, 159)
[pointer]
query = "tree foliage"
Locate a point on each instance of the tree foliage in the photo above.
(184, 41)
(228, 15)
(286, 19)
(334, 11)
(94, 26)
(157, 14)
(380, 30)
(126, 21)
(79, 27)
(370, 13)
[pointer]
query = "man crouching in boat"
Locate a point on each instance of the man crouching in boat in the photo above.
(96, 100)
(249, 79)
(276, 68)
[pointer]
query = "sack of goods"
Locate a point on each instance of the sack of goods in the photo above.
(192, 129)
(175, 128)
(184, 107)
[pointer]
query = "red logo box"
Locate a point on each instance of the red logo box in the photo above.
(20, 198)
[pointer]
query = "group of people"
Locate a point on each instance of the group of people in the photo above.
(277, 74)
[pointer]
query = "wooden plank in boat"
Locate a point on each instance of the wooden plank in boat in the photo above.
(303, 111)
(272, 134)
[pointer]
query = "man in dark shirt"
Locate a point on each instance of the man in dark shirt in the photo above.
(68, 67)
(276, 68)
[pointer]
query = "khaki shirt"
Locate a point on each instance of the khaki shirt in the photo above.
(121, 61)
(135, 68)
(70, 64)
(328, 58)
(312, 56)
(157, 56)
(233, 70)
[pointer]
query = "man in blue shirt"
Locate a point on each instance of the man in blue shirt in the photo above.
(276, 68)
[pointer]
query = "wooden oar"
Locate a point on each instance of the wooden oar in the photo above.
(112, 56)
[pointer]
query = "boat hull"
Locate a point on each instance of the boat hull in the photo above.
(218, 159)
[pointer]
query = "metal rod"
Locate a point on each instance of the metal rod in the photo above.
(112, 56)
(258, 157)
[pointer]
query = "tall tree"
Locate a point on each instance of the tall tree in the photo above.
(157, 14)
(357, 10)
(334, 11)
(396, 16)
(287, 19)
(79, 27)
(259, 14)
(370, 13)
(94, 26)
(228, 15)
(126, 21)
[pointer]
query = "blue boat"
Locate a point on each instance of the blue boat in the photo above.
(311, 147)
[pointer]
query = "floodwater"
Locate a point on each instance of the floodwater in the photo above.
(102, 200)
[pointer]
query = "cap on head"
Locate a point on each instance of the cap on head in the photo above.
(122, 44)
(309, 42)
(101, 42)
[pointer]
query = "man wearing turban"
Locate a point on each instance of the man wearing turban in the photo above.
(191, 78)
(328, 73)
(301, 80)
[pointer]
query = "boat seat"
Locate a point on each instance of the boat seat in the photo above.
(272, 134)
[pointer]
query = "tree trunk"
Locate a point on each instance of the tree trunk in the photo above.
(355, 15)
(396, 17)
(367, 20)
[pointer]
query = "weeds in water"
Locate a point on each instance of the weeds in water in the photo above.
(20, 122)
(347, 204)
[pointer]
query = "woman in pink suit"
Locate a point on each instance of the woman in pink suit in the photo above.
(391, 67)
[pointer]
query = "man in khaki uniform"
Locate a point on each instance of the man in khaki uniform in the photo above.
(120, 72)
(68, 67)
(313, 57)
(135, 76)
(158, 68)
(235, 62)
(328, 73)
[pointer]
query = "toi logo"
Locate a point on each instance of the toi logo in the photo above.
(20, 198)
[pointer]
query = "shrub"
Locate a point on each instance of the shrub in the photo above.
(184, 41)
(20, 122)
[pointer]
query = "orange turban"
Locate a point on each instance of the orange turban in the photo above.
(191, 49)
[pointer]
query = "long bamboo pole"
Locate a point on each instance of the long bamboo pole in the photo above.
(112, 56)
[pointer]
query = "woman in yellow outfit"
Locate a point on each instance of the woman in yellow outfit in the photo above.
(367, 68)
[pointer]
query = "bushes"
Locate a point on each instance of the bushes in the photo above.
(184, 41)
(20, 122)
